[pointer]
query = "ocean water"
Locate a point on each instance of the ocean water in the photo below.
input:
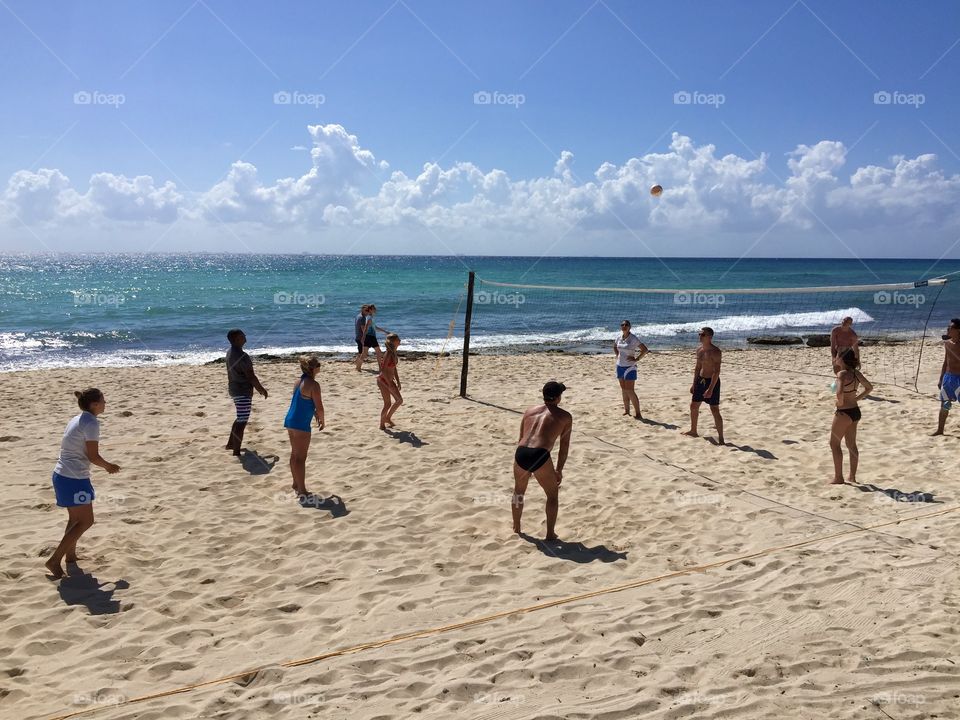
(113, 310)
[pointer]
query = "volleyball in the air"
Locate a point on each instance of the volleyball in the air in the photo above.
(656, 190)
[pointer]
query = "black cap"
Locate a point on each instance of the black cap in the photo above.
(553, 389)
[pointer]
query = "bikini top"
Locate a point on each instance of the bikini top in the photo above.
(389, 362)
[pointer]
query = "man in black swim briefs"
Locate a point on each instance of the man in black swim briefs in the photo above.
(539, 429)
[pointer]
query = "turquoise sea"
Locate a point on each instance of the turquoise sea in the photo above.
(110, 310)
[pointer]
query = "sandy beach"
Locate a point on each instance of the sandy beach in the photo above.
(754, 588)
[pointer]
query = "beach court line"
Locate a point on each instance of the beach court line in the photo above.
(418, 634)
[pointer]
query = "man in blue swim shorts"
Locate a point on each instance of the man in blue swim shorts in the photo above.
(949, 373)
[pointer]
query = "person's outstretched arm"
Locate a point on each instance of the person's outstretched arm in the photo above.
(93, 455)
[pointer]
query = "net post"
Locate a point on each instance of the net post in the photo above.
(466, 336)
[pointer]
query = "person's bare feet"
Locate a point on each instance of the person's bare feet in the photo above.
(71, 559)
(837, 482)
(638, 416)
(389, 423)
(516, 529)
(54, 569)
(690, 433)
(938, 432)
(721, 440)
(551, 537)
(626, 412)
(383, 427)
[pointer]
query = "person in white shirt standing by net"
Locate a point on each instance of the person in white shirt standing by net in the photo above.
(628, 349)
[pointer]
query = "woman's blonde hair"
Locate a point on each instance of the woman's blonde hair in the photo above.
(309, 363)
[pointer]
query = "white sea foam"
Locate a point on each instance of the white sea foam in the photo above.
(24, 352)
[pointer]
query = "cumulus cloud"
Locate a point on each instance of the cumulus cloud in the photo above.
(346, 186)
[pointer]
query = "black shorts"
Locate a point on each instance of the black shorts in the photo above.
(369, 341)
(701, 386)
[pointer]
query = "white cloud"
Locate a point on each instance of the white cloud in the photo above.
(346, 189)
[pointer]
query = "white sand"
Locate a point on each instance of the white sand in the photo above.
(198, 569)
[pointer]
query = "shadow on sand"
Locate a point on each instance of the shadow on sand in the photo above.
(405, 436)
(489, 404)
(257, 464)
(81, 588)
(880, 399)
(667, 426)
(332, 503)
(574, 551)
(917, 496)
(745, 448)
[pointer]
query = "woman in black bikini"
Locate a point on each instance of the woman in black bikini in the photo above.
(847, 415)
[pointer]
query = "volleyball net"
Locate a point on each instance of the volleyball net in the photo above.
(903, 319)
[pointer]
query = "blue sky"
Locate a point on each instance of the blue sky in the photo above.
(598, 79)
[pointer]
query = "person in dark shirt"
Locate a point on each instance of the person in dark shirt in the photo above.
(241, 382)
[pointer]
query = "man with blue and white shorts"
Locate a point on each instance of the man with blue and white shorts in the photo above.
(949, 373)
(628, 349)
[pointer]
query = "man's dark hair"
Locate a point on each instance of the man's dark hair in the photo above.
(232, 334)
(708, 331)
(955, 323)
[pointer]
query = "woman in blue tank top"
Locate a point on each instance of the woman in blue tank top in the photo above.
(305, 404)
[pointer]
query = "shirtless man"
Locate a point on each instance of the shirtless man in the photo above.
(949, 373)
(539, 429)
(843, 338)
(706, 383)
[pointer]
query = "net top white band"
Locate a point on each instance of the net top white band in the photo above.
(889, 287)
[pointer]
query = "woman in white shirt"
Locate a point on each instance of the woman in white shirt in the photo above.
(79, 449)
(628, 349)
